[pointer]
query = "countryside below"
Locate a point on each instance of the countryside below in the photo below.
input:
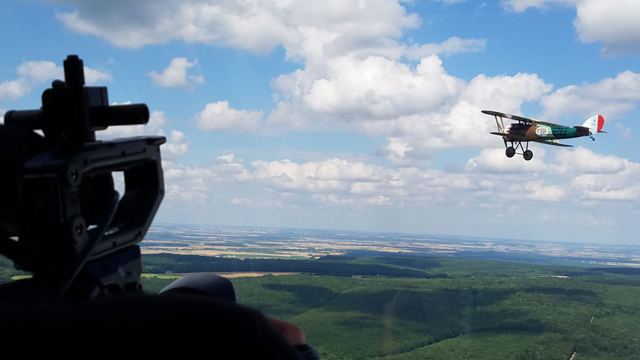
(399, 296)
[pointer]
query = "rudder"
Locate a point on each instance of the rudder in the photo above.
(594, 123)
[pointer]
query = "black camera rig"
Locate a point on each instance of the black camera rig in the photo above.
(60, 215)
(62, 219)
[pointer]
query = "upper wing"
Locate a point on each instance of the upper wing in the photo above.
(508, 116)
(518, 118)
(546, 123)
(552, 142)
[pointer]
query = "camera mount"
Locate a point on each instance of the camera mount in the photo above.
(60, 215)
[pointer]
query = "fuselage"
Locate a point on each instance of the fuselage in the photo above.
(525, 132)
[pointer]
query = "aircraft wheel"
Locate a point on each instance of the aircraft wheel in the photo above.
(528, 155)
(510, 152)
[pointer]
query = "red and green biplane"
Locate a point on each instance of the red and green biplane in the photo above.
(524, 130)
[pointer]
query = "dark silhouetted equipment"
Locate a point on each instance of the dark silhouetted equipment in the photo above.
(61, 216)
(62, 219)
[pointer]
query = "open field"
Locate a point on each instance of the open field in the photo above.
(298, 244)
(229, 274)
(162, 276)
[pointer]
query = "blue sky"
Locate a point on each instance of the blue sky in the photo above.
(360, 115)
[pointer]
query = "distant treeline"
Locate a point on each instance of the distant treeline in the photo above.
(162, 263)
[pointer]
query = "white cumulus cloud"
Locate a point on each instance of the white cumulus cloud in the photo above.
(13, 89)
(34, 73)
(495, 161)
(175, 75)
(623, 185)
(419, 109)
(219, 116)
(380, 88)
(177, 145)
(253, 25)
(610, 97)
(584, 161)
(305, 29)
(539, 191)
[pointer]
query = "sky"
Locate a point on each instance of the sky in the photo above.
(360, 114)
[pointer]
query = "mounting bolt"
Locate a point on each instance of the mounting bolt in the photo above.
(78, 228)
(74, 176)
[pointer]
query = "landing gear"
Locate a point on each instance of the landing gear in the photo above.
(510, 152)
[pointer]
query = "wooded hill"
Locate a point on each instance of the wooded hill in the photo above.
(441, 308)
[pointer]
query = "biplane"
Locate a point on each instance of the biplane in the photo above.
(524, 130)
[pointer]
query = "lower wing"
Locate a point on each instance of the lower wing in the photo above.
(519, 138)
(552, 142)
(510, 137)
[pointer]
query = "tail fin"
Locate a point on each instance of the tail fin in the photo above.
(595, 124)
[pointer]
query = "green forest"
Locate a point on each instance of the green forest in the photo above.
(404, 307)
(401, 307)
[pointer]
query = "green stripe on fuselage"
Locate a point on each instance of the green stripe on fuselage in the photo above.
(562, 132)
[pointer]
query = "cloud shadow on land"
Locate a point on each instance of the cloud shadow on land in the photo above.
(368, 323)
(441, 313)
(308, 296)
(568, 294)
(422, 263)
